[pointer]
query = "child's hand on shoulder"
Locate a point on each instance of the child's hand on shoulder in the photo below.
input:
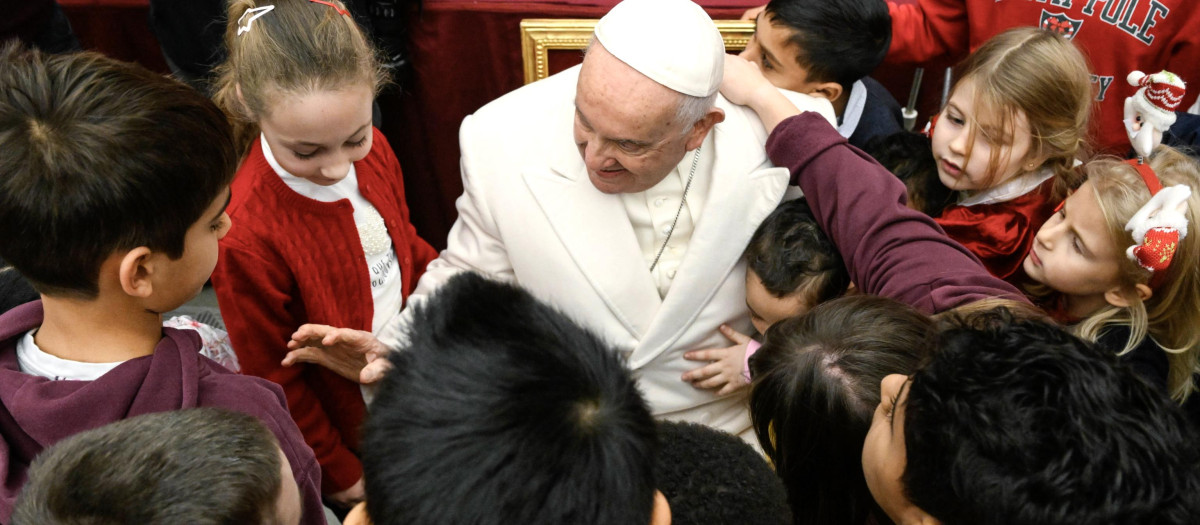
(743, 83)
(724, 370)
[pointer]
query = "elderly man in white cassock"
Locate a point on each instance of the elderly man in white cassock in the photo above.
(622, 191)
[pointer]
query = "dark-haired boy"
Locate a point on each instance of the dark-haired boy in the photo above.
(202, 466)
(713, 477)
(826, 48)
(113, 185)
(501, 410)
(791, 266)
(1021, 422)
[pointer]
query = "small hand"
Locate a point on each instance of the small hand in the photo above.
(724, 370)
(743, 83)
(348, 352)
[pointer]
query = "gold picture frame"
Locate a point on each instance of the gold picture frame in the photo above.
(539, 36)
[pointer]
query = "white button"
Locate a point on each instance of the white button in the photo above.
(671, 274)
(659, 201)
(666, 230)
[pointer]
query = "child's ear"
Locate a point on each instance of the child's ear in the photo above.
(1119, 296)
(135, 270)
(827, 90)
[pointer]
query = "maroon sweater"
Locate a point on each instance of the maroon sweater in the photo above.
(889, 249)
(36, 412)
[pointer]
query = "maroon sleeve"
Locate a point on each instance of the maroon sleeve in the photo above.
(889, 249)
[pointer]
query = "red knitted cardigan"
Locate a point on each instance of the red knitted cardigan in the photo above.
(290, 260)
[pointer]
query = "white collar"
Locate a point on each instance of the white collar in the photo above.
(854, 109)
(1010, 190)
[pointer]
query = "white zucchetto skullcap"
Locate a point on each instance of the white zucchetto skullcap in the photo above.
(673, 42)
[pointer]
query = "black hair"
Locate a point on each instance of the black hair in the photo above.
(837, 41)
(909, 156)
(15, 289)
(502, 410)
(1020, 422)
(814, 390)
(202, 466)
(100, 156)
(791, 254)
(711, 477)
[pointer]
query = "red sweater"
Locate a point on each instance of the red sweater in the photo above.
(291, 260)
(1001, 234)
(1117, 36)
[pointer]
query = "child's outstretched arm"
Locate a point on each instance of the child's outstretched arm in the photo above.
(889, 249)
(725, 365)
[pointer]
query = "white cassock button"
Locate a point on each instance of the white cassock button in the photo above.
(666, 230)
(671, 274)
(659, 201)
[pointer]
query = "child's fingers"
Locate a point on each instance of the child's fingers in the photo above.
(734, 335)
(712, 354)
(716, 381)
(730, 387)
(698, 374)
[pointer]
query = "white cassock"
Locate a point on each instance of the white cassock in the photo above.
(529, 214)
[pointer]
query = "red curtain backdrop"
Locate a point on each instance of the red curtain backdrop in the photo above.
(463, 54)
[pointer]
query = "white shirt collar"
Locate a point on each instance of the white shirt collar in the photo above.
(1010, 190)
(854, 109)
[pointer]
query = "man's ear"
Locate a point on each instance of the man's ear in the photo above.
(830, 91)
(358, 515)
(135, 270)
(701, 128)
(661, 515)
(1119, 296)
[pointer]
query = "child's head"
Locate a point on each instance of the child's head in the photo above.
(306, 75)
(198, 466)
(1021, 102)
(791, 266)
(1021, 422)
(106, 163)
(908, 156)
(816, 384)
(820, 47)
(709, 476)
(1081, 253)
(503, 410)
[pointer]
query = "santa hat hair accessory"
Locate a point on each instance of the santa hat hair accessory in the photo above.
(1159, 96)
(1159, 226)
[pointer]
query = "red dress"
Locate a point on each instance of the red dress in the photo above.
(1001, 233)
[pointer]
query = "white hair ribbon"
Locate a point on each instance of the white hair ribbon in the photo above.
(253, 14)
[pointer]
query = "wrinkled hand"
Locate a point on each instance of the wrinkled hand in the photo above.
(724, 369)
(349, 497)
(752, 13)
(743, 83)
(352, 354)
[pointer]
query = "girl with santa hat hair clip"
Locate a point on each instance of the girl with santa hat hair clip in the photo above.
(1116, 260)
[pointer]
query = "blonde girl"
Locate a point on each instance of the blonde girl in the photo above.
(1150, 318)
(323, 231)
(1007, 142)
